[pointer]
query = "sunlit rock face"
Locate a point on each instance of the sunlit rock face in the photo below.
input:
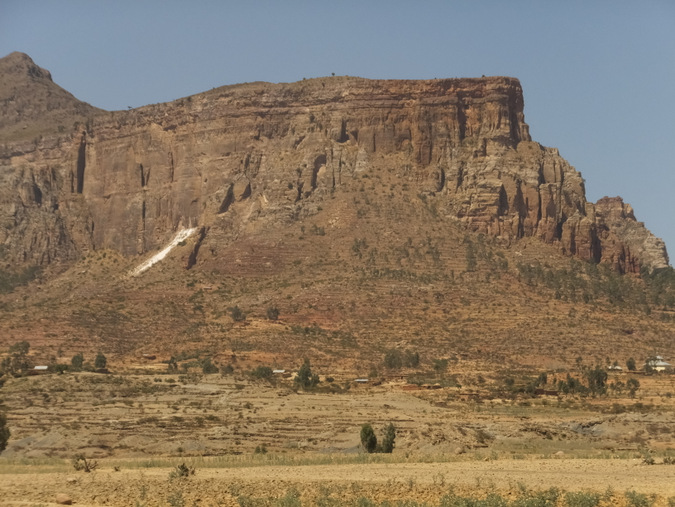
(128, 180)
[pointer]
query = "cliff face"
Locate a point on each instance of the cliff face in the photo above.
(127, 180)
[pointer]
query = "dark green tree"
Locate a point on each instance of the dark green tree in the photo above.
(633, 385)
(236, 314)
(389, 438)
(17, 362)
(208, 367)
(273, 313)
(305, 378)
(368, 438)
(393, 359)
(597, 380)
(101, 361)
(77, 361)
(630, 364)
(4, 432)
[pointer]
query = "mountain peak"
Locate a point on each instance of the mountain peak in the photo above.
(31, 104)
(21, 65)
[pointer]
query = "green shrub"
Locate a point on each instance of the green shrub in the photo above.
(582, 499)
(634, 499)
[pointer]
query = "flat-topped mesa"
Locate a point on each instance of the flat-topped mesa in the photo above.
(130, 179)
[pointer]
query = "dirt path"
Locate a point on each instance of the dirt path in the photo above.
(428, 481)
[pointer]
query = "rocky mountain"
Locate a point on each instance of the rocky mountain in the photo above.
(333, 218)
(258, 156)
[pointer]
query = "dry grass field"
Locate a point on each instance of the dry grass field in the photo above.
(256, 442)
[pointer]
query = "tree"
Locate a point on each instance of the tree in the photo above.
(272, 313)
(368, 438)
(597, 378)
(4, 432)
(262, 372)
(20, 348)
(392, 359)
(440, 365)
(305, 377)
(208, 367)
(17, 363)
(77, 361)
(100, 361)
(633, 385)
(236, 314)
(389, 438)
(630, 364)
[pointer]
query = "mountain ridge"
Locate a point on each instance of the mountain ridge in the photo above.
(463, 142)
(366, 215)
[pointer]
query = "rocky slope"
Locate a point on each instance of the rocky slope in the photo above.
(259, 156)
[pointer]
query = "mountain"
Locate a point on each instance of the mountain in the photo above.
(365, 208)
(31, 104)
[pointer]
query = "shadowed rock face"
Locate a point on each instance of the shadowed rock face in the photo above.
(127, 180)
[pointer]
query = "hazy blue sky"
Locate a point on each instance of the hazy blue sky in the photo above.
(598, 76)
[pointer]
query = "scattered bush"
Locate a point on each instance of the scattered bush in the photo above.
(181, 471)
(80, 463)
(634, 499)
(582, 499)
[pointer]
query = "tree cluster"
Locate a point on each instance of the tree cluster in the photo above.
(369, 440)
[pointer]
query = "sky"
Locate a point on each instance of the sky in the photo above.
(598, 75)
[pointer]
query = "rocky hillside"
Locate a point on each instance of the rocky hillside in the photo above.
(333, 218)
(262, 155)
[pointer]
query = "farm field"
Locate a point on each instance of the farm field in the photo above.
(257, 442)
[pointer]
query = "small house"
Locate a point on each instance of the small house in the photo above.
(658, 364)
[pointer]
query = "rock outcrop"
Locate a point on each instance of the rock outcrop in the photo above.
(127, 180)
